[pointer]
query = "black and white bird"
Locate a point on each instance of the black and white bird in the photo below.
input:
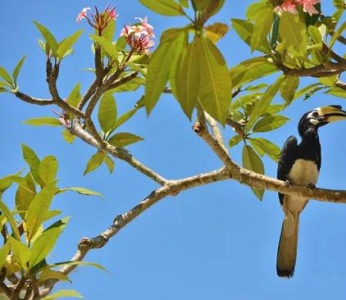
(300, 164)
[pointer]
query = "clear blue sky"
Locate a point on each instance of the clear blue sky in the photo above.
(213, 242)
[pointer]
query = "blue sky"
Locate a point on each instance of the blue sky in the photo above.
(213, 242)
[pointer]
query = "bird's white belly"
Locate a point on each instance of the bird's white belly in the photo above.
(303, 172)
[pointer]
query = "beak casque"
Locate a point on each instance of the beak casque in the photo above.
(332, 113)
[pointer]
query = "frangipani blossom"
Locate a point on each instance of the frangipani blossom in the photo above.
(83, 14)
(138, 37)
(291, 6)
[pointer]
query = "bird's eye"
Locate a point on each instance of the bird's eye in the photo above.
(315, 114)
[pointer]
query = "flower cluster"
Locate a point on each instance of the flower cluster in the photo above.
(291, 6)
(98, 20)
(138, 36)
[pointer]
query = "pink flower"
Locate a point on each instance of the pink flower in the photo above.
(308, 6)
(288, 6)
(97, 20)
(138, 36)
(83, 14)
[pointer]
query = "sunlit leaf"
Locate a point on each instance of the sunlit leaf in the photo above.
(32, 160)
(43, 121)
(6, 76)
(106, 45)
(82, 191)
(288, 88)
(164, 7)
(63, 294)
(269, 122)
(123, 139)
(94, 162)
(234, 141)
(25, 193)
(109, 163)
(171, 44)
(215, 84)
(265, 146)
(16, 70)
(48, 169)
(20, 252)
(216, 31)
(47, 274)
(68, 136)
(107, 113)
(10, 219)
(48, 36)
(66, 44)
(4, 250)
(75, 96)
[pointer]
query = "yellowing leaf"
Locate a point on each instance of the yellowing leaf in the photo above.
(216, 31)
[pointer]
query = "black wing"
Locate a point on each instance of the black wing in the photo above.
(288, 156)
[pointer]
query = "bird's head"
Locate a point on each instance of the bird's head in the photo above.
(321, 116)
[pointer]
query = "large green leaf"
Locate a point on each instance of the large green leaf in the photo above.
(46, 241)
(288, 88)
(293, 34)
(215, 84)
(107, 113)
(253, 162)
(49, 37)
(172, 42)
(75, 96)
(32, 160)
(20, 252)
(16, 70)
(262, 105)
(106, 45)
(164, 7)
(38, 209)
(48, 169)
(269, 122)
(185, 79)
(251, 70)
(264, 146)
(25, 193)
(94, 162)
(66, 44)
(63, 294)
(10, 219)
(43, 121)
(123, 139)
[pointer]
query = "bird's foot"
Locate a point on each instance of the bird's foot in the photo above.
(288, 182)
(311, 186)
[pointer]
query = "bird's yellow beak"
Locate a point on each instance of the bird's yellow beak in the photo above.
(331, 113)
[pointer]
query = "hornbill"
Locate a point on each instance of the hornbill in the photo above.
(300, 164)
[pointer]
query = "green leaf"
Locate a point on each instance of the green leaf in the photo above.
(124, 117)
(129, 86)
(82, 191)
(75, 96)
(48, 169)
(63, 294)
(47, 274)
(17, 70)
(109, 163)
(66, 44)
(262, 26)
(94, 162)
(10, 219)
(185, 79)
(32, 160)
(106, 45)
(234, 141)
(38, 209)
(49, 37)
(164, 7)
(216, 31)
(251, 70)
(123, 139)
(253, 162)
(245, 31)
(20, 252)
(293, 34)
(107, 113)
(77, 263)
(269, 123)
(162, 60)
(68, 136)
(4, 250)
(308, 91)
(262, 105)
(25, 193)
(264, 146)
(337, 34)
(44, 121)
(288, 88)
(46, 241)
(6, 76)
(215, 84)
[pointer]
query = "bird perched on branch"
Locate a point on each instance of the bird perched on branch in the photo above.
(300, 164)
